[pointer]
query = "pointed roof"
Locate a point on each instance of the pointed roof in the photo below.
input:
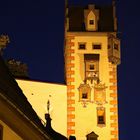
(76, 18)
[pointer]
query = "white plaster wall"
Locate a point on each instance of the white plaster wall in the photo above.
(38, 93)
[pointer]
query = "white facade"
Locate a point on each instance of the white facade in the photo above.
(38, 94)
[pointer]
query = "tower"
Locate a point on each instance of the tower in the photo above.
(92, 54)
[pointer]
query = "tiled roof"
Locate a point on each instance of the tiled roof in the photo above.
(76, 18)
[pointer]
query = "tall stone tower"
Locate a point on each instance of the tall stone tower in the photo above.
(92, 53)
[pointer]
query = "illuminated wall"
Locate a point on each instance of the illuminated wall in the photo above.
(38, 94)
(96, 111)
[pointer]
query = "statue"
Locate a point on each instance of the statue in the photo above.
(48, 106)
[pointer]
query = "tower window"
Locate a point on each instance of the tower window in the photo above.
(96, 46)
(101, 120)
(84, 92)
(91, 67)
(82, 46)
(91, 22)
(101, 116)
(84, 95)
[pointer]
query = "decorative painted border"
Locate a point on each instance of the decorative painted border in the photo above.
(69, 66)
(113, 102)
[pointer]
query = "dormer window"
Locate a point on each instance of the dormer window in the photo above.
(91, 16)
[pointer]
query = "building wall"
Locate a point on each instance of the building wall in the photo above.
(38, 94)
(82, 116)
(8, 133)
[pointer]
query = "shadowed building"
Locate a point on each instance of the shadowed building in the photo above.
(18, 120)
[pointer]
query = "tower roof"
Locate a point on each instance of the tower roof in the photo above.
(105, 23)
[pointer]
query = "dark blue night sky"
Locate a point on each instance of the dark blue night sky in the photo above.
(35, 29)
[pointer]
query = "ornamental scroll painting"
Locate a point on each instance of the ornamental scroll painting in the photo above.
(100, 94)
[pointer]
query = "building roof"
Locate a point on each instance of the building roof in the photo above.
(53, 134)
(92, 134)
(76, 18)
(10, 90)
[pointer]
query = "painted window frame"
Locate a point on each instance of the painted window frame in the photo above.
(84, 89)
